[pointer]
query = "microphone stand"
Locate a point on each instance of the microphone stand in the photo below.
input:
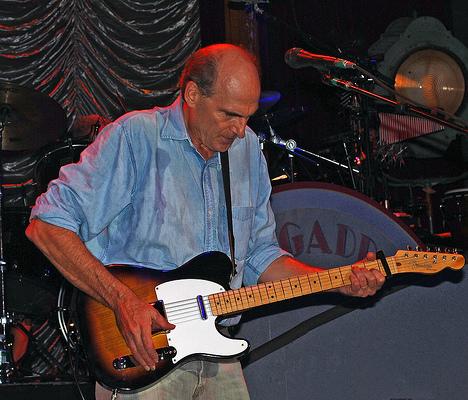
(304, 37)
(290, 146)
(434, 115)
(7, 367)
(408, 107)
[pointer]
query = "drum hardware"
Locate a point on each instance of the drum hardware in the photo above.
(6, 357)
(66, 316)
(45, 356)
(405, 105)
(310, 157)
(290, 146)
(428, 192)
(282, 117)
(7, 368)
(53, 158)
(401, 106)
(24, 113)
(268, 98)
(94, 131)
(350, 168)
(68, 325)
(454, 208)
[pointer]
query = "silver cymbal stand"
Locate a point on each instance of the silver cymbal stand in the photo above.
(289, 145)
(7, 367)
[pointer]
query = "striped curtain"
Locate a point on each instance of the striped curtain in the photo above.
(101, 57)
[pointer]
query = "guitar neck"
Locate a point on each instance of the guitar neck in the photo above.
(245, 298)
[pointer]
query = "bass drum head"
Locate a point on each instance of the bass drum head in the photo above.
(328, 225)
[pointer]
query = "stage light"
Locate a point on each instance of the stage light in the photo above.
(427, 65)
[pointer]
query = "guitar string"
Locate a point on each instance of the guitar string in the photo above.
(193, 310)
(188, 308)
(195, 306)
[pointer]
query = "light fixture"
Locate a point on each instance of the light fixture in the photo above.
(429, 66)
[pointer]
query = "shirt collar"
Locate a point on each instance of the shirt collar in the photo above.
(174, 125)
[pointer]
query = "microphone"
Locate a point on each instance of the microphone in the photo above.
(299, 58)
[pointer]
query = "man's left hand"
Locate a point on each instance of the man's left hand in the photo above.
(364, 282)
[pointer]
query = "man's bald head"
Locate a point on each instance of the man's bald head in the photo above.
(204, 65)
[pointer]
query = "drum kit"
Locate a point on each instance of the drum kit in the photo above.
(37, 338)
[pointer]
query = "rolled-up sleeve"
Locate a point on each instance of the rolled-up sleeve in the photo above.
(88, 195)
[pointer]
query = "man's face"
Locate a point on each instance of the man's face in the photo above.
(214, 122)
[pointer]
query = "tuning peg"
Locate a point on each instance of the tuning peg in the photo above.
(418, 248)
(456, 250)
(408, 247)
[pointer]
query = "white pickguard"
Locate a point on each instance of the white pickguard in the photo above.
(197, 336)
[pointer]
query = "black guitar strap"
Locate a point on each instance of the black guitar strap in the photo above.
(227, 196)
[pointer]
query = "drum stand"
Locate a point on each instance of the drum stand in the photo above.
(7, 367)
(289, 145)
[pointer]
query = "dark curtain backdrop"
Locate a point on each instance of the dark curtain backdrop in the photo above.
(101, 57)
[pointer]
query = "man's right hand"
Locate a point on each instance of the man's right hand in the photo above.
(135, 318)
(136, 321)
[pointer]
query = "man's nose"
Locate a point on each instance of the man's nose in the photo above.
(239, 127)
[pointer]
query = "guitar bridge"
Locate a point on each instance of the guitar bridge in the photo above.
(125, 362)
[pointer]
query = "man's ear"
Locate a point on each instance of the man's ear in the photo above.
(191, 93)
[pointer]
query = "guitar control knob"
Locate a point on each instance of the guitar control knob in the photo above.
(120, 363)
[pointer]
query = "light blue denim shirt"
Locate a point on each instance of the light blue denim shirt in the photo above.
(142, 195)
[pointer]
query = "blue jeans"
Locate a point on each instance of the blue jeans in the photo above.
(194, 380)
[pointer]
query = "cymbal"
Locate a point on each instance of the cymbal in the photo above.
(277, 118)
(268, 98)
(31, 119)
(432, 78)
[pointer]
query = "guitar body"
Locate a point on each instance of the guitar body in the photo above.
(181, 294)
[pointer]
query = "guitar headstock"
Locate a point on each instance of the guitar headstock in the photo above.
(426, 262)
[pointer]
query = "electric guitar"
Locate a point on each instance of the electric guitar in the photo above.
(193, 305)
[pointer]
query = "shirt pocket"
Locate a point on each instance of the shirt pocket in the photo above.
(242, 219)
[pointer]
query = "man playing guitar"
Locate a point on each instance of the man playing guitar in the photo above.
(148, 192)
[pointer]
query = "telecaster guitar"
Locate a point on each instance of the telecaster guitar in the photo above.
(193, 305)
